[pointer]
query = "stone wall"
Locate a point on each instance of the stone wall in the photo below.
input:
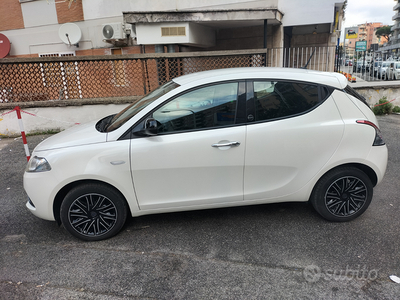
(373, 93)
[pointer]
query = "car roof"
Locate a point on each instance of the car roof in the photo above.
(326, 78)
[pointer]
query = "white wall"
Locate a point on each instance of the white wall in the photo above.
(52, 118)
(196, 35)
(94, 9)
(38, 13)
(304, 12)
(45, 39)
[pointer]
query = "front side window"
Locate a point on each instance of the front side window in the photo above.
(206, 107)
(279, 99)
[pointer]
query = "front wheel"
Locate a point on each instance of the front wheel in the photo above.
(342, 194)
(93, 212)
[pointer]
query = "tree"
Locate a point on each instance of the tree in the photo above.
(383, 31)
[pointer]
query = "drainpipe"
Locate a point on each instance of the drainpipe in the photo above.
(265, 40)
(265, 33)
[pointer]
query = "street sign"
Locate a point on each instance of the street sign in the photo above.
(351, 32)
(361, 46)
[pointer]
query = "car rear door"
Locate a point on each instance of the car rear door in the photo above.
(296, 129)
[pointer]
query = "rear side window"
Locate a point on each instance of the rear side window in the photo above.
(278, 99)
(349, 90)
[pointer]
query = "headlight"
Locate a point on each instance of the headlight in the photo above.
(38, 164)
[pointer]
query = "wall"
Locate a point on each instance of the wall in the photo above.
(317, 11)
(94, 10)
(38, 13)
(45, 39)
(54, 118)
(10, 15)
(374, 93)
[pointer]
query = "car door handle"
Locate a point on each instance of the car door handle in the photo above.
(227, 144)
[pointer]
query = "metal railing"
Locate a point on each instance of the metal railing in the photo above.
(87, 77)
(373, 67)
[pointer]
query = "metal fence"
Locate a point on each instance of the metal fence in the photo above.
(369, 66)
(82, 77)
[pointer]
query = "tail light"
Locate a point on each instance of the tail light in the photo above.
(378, 141)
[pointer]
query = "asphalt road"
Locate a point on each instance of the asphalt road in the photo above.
(278, 251)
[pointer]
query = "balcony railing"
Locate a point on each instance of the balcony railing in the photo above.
(397, 6)
(396, 16)
(395, 26)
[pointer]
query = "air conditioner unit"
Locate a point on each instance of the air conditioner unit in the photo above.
(113, 31)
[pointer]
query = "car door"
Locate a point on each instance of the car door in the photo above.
(197, 156)
(287, 144)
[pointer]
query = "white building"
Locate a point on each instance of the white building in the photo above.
(133, 26)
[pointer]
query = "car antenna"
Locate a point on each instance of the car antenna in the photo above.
(305, 67)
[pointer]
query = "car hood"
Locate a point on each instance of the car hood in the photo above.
(77, 135)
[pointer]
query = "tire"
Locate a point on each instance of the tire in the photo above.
(342, 194)
(93, 212)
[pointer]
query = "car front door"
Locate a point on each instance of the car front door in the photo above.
(196, 158)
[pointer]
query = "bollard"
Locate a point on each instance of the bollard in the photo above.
(21, 126)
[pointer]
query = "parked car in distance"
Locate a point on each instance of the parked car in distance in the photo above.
(393, 72)
(383, 69)
(359, 66)
(373, 71)
(213, 139)
(348, 62)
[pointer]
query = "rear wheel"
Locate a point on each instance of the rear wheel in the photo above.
(342, 194)
(93, 212)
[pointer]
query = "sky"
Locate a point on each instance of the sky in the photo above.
(361, 11)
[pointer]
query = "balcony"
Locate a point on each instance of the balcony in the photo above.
(396, 16)
(395, 26)
(396, 7)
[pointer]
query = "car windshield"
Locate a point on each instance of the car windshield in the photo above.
(121, 118)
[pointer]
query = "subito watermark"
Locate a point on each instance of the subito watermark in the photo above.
(314, 273)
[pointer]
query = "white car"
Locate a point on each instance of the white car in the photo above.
(383, 70)
(393, 72)
(213, 139)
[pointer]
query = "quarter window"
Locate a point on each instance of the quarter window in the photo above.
(278, 99)
(207, 107)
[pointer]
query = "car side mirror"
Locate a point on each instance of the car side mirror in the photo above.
(150, 126)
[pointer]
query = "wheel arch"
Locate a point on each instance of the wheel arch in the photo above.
(64, 191)
(366, 169)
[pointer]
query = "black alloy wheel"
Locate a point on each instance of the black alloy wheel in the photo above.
(346, 196)
(93, 212)
(342, 194)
